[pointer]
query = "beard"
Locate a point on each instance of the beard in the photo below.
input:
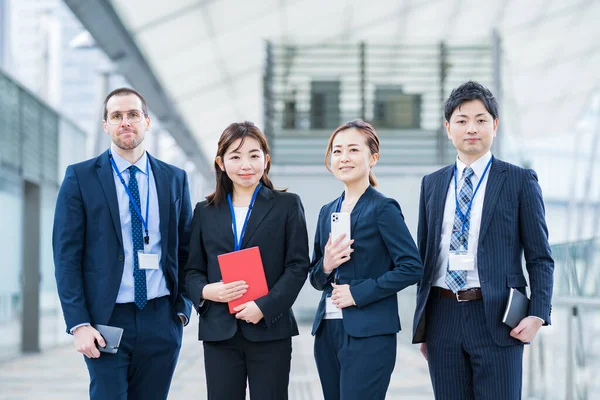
(128, 143)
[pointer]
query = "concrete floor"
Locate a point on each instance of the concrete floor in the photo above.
(61, 373)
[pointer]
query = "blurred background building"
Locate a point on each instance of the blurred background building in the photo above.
(299, 68)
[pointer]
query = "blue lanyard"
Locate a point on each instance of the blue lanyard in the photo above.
(135, 206)
(463, 217)
(238, 243)
(340, 201)
(336, 278)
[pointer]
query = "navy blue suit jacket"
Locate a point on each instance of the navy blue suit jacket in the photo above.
(512, 224)
(278, 227)
(385, 260)
(88, 244)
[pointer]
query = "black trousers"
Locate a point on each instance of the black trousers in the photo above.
(266, 366)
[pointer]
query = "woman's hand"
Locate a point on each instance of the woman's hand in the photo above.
(249, 312)
(224, 292)
(341, 296)
(336, 253)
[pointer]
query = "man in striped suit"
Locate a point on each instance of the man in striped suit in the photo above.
(477, 218)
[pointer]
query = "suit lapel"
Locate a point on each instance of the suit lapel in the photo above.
(492, 192)
(360, 205)
(223, 223)
(161, 180)
(440, 192)
(263, 204)
(107, 181)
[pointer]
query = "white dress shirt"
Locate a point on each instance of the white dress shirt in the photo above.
(474, 220)
(156, 284)
(240, 217)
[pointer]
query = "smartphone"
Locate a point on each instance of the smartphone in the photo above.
(340, 224)
(112, 336)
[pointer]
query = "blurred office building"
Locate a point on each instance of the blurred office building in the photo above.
(299, 69)
(53, 79)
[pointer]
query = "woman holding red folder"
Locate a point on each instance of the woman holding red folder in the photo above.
(357, 320)
(254, 342)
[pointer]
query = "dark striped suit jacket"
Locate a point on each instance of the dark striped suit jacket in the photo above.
(512, 224)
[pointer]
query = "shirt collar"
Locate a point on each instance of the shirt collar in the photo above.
(123, 164)
(478, 166)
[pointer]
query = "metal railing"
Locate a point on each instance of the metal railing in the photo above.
(563, 361)
(399, 87)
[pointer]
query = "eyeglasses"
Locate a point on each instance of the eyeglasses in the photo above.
(132, 116)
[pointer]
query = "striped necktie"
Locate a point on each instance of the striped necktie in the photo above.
(456, 280)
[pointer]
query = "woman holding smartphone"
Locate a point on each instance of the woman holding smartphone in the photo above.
(357, 319)
(244, 211)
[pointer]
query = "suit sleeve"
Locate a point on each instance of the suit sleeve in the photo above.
(183, 304)
(422, 223)
(534, 238)
(285, 291)
(318, 278)
(408, 268)
(68, 240)
(195, 270)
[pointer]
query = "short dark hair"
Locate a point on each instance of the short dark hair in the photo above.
(468, 92)
(123, 91)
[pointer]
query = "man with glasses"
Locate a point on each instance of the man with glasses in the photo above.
(120, 240)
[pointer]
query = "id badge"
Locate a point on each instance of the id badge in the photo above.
(461, 261)
(329, 306)
(147, 260)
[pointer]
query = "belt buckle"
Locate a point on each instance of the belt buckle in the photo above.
(458, 298)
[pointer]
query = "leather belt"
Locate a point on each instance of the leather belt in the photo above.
(461, 295)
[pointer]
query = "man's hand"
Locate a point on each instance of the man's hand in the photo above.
(341, 296)
(182, 318)
(224, 292)
(249, 312)
(85, 341)
(527, 329)
(423, 349)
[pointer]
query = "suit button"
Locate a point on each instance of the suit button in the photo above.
(121, 258)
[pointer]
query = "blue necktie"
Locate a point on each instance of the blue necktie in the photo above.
(139, 275)
(456, 280)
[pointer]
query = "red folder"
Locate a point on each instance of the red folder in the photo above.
(244, 265)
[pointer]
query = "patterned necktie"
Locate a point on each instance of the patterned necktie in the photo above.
(456, 280)
(139, 275)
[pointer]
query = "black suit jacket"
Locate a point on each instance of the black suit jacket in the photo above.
(278, 227)
(512, 224)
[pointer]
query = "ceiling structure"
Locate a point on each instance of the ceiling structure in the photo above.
(207, 56)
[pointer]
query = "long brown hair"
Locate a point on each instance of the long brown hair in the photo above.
(367, 131)
(235, 131)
